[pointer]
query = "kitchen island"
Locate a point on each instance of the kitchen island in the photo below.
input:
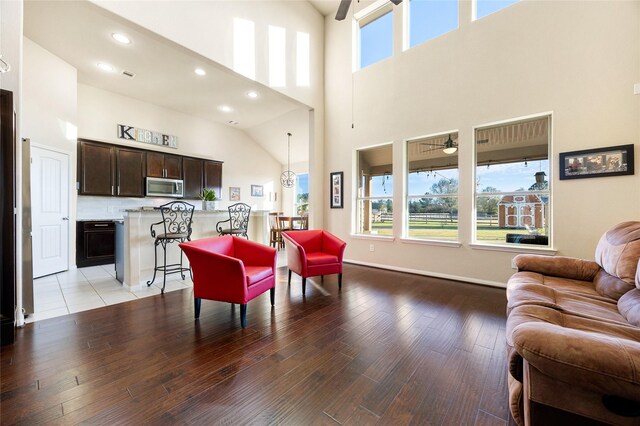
(139, 245)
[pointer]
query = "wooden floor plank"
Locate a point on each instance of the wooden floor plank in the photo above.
(389, 348)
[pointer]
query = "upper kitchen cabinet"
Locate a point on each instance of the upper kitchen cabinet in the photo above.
(213, 176)
(130, 168)
(96, 168)
(164, 165)
(193, 175)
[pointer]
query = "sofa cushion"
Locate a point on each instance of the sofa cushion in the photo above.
(618, 252)
(320, 258)
(563, 284)
(595, 307)
(629, 306)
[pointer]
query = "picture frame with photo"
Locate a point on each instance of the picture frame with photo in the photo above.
(234, 193)
(257, 191)
(599, 162)
(336, 184)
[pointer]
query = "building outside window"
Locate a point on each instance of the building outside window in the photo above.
(487, 7)
(512, 197)
(374, 194)
(432, 187)
(431, 18)
(375, 36)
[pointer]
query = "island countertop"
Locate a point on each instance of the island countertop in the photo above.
(139, 245)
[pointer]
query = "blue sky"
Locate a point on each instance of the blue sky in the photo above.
(486, 7)
(376, 39)
(302, 186)
(429, 19)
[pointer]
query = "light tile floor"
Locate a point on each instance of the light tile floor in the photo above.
(89, 288)
(94, 287)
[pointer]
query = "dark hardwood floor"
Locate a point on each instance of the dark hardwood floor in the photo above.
(390, 348)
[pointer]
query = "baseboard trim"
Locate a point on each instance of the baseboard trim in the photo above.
(428, 273)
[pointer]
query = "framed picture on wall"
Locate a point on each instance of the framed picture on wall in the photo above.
(257, 191)
(337, 190)
(599, 162)
(234, 193)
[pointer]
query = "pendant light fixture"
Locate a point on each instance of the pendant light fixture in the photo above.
(288, 178)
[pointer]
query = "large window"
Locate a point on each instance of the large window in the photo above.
(487, 7)
(512, 197)
(432, 187)
(374, 195)
(302, 194)
(376, 37)
(431, 18)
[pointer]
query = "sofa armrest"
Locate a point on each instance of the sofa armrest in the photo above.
(296, 255)
(587, 359)
(558, 266)
(254, 254)
(333, 245)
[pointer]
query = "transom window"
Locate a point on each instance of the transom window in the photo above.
(432, 187)
(374, 195)
(431, 18)
(512, 197)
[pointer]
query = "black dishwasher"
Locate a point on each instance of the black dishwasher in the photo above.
(95, 243)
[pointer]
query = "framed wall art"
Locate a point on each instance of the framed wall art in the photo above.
(234, 193)
(257, 191)
(599, 162)
(336, 183)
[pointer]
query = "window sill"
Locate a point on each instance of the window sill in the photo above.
(373, 237)
(521, 248)
(428, 242)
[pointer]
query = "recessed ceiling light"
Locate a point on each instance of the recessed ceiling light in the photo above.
(105, 67)
(252, 94)
(121, 38)
(200, 71)
(226, 108)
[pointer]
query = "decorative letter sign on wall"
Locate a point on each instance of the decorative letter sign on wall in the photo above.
(131, 133)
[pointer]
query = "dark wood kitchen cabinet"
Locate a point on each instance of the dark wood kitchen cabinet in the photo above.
(213, 176)
(96, 168)
(130, 168)
(95, 243)
(164, 165)
(193, 176)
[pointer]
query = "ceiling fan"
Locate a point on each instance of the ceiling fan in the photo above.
(344, 8)
(448, 147)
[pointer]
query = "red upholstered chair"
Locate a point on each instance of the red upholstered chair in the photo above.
(312, 253)
(230, 269)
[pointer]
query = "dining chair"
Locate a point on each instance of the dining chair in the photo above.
(275, 232)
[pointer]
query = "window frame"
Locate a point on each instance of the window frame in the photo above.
(356, 198)
(514, 247)
(364, 17)
(407, 198)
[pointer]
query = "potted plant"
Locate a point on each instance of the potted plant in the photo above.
(208, 197)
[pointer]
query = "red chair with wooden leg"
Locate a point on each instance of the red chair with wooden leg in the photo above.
(230, 269)
(312, 253)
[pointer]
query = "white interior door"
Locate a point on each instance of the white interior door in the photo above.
(50, 211)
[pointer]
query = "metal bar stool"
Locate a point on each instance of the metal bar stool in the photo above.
(177, 217)
(238, 221)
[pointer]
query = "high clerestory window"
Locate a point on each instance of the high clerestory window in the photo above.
(374, 193)
(512, 196)
(375, 35)
(431, 18)
(487, 7)
(432, 187)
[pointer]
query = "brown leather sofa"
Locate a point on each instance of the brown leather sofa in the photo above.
(573, 335)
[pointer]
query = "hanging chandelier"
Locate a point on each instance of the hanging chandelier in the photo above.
(288, 178)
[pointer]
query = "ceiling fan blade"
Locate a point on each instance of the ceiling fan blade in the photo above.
(343, 9)
(396, 2)
(483, 141)
(432, 144)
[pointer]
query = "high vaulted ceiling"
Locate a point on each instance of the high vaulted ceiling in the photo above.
(80, 33)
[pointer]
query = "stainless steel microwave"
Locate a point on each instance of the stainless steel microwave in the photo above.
(161, 187)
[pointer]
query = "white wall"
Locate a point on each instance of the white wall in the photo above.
(578, 60)
(207, 28)
(245, 162)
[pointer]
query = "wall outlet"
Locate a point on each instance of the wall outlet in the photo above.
(372, 247)
(513, 263)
